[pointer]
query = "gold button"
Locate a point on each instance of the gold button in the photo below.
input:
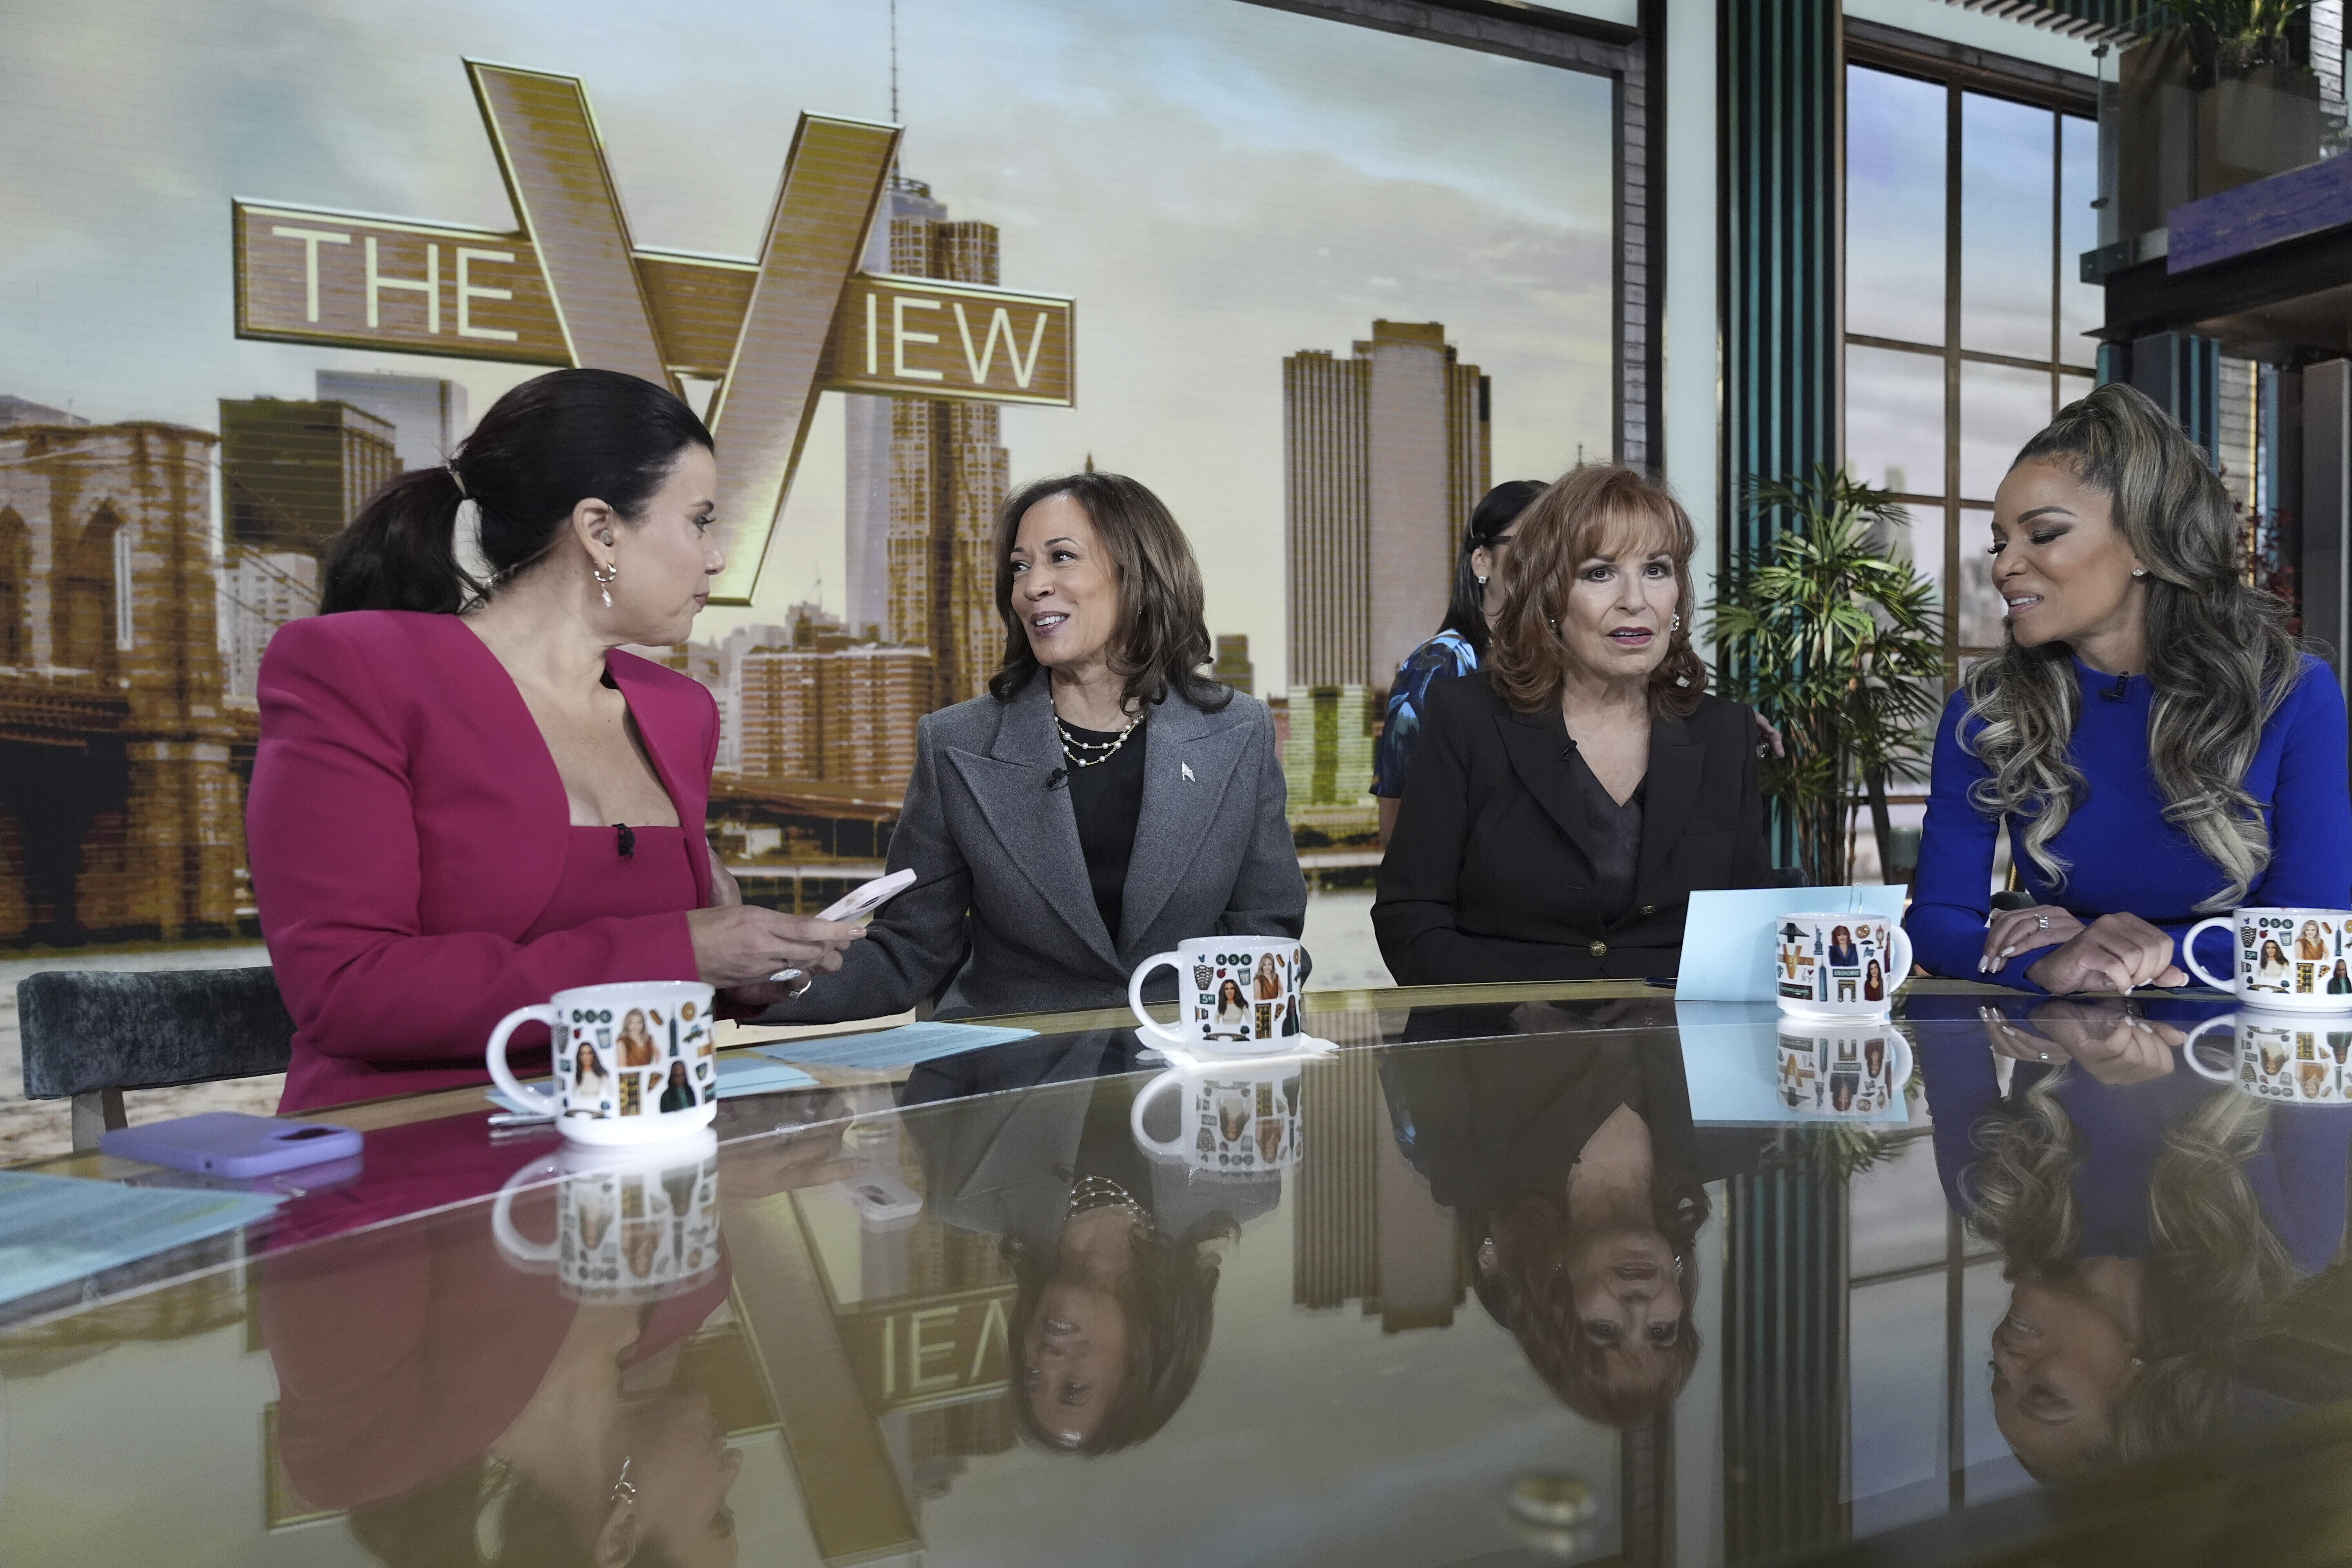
(1598, 950)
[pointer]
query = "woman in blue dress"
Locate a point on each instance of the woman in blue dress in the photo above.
(2151, 737)
(1459, 644)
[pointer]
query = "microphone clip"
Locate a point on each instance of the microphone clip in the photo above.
(1056, 779)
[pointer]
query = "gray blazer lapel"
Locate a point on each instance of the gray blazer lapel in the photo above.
(1035, 824)
(1188, 760)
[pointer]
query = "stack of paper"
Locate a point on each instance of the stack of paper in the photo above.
(57, 1230)
(885, 1049)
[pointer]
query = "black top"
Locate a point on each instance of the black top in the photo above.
(1108, 800)
(1615, 846)
(1504, 865)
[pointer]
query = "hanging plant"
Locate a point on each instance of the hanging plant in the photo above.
(2229, 37)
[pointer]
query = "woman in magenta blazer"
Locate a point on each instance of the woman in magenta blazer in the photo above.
(467, 797)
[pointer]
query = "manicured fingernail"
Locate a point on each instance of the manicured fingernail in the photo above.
(2006, 951)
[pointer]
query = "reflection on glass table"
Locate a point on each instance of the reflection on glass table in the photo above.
(1525, 1274)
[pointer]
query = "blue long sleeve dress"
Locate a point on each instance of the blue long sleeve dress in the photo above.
(2125, 857)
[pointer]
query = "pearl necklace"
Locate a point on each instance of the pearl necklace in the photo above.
(1087, 753)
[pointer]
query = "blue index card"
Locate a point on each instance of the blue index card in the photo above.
(1735, 1058)
(1728, 946)
(57, 1230)
(906, 1046)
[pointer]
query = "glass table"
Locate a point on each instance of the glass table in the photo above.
(1536, 1274)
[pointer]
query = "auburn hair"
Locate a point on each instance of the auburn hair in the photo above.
(1593, 510)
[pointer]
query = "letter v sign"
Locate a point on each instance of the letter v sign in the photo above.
(562, 189)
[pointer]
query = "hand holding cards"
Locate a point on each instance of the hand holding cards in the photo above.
(857, 904)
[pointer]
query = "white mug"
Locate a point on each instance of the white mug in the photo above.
(1244, 1124)
(632, 1224)
(1846, 1071)
(2289, 960)
(1234, 995)
(1843, 966)
(635, 1063)
(2281, 1062)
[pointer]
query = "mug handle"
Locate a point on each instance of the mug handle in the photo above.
(1145, 1023)
(2189, 952)
(539, 1100)
(513, 1242)
(1901, 941)
(2189, 1050)
(1135, 1115)
(1898, 1060)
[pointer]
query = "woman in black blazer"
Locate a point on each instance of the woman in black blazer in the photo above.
(1560, 810)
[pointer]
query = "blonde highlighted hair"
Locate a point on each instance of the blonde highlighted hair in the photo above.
(2219, 657)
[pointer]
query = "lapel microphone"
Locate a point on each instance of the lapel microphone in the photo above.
(625, 839)
(1053, 780)
(2115, 693)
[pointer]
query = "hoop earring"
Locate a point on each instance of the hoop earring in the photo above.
(1677, 624)
(605, 576)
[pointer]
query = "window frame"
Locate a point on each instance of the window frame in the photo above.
(1960, 71)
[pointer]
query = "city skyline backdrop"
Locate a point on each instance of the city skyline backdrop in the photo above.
(1271, 186)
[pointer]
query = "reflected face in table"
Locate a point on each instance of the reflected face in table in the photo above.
(1626, 1290)
(1073, 1358)
(2061, 1362)
(683, 1469)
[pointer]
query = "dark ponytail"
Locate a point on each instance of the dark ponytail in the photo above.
(556, 440)
(1466, 612)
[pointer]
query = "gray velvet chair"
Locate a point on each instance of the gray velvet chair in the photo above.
(91, 1034)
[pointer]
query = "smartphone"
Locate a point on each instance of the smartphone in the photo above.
(857, 903)
(864, 901)
(226, 1143)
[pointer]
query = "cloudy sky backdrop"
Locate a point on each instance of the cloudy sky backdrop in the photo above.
(1218, 185)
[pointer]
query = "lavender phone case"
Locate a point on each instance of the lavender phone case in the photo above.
(225, 1144)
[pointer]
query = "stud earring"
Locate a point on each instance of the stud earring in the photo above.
(605, 574)
(2140, 571)
(1481, 582)
(1677, 623)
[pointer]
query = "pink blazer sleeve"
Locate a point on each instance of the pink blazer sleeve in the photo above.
(335, 845)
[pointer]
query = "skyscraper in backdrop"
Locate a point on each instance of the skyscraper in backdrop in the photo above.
(1384, 454)
(925, 477)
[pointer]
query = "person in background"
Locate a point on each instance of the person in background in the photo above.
(1103, 801)
(2151, 737)
(1562, 808)
(1460, 643)
(467, 796)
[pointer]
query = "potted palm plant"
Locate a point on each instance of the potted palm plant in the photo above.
(1839, 641)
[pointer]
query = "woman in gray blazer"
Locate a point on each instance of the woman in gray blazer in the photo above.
(1104, 802)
